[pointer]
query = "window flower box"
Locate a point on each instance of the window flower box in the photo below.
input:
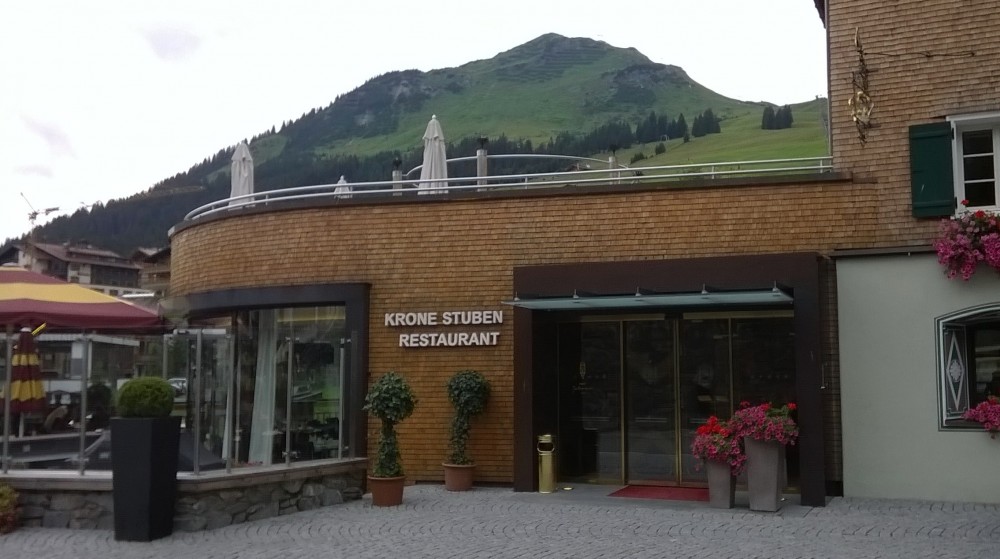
(967, 239)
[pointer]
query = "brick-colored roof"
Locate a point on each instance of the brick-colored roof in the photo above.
(85, 254)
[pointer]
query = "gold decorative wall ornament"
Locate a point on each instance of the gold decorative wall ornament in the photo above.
(861, 104)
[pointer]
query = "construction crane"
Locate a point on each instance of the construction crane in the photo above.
(33, 214)
(30, 249)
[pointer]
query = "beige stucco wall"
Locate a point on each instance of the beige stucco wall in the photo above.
(893, 446)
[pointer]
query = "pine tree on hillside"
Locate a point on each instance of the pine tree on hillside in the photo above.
(705, 123)
(698, 126)
(679, 127)
(767, 122)
(783, 118)
(712, 123)
(777, 120)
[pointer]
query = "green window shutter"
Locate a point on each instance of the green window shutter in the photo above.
(931, 176)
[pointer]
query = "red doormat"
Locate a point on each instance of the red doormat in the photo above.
(659, 492)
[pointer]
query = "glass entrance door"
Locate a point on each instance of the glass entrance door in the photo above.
(705, 386)
(650, 426)
(633, 391)
(590, 443)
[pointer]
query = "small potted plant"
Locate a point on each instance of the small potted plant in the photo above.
(986, 413)
(468, 392)
(10, 511)
(390, 400)
(765, 430)
(144, 448)
(718, 445)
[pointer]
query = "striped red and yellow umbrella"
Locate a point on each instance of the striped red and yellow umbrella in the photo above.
(27, 395)
(29, 299)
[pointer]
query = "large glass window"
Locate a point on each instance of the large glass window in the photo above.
(258, 388)
(291, 365)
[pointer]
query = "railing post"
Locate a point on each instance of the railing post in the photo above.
(613, 166)
(397, 177)
(481, 162)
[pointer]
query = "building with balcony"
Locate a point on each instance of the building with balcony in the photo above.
(154, 270)
(99, 269)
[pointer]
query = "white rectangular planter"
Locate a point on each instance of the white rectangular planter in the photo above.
(721, 484)
(764, 474)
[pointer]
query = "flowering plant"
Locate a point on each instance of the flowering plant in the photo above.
(967, 239)
(715, 440)
(765, 422)
(987, 413)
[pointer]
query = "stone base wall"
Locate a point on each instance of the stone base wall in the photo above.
(80, 510)
(215, 509)
(195, 510)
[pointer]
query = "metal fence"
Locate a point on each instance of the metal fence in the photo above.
(581, 174)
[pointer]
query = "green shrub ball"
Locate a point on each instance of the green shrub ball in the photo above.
(145, 397)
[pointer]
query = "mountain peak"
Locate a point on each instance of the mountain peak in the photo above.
(551, 55)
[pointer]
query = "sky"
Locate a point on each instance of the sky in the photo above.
(102, 99)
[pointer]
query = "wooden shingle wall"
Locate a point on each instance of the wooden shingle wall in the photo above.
(920, 70)
(459, 255)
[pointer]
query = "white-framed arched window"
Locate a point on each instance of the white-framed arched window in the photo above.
(968, 348)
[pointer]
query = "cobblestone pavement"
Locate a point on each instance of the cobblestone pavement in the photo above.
(582, 523)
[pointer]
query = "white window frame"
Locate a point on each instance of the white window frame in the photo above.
(952, 420)
(972, 123)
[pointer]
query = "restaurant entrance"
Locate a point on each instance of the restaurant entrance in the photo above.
(633, 389)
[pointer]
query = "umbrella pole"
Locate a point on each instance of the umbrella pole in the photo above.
(88, 363)
(6, 399)
(227, 437)
(199, 390)
(288, 404)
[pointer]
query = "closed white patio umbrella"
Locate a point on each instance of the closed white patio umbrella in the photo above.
(342, 191)
(241, 172)
(435, 160)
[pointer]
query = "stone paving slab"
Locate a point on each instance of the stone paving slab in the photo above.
(583, 523)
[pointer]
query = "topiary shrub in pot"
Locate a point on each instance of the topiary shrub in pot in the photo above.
(468, 392)
(390, 400)
(144, 448)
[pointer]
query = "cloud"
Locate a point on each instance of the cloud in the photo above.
(38, 170)
(53, 136)
(172, 43)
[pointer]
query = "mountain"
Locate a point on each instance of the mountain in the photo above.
(572, 96)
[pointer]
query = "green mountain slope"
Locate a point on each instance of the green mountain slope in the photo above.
(550, 94)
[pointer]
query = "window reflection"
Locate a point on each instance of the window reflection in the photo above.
(290, 366)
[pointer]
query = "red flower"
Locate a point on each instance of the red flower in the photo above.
(980, 213)
(792, 406)
(965, 202)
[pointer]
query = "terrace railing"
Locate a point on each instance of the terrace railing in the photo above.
(580, 173)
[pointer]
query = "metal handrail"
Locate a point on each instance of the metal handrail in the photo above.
(618, 175)
(521, 156)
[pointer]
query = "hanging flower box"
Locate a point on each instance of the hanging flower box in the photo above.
(967, 239)
(986, 413)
